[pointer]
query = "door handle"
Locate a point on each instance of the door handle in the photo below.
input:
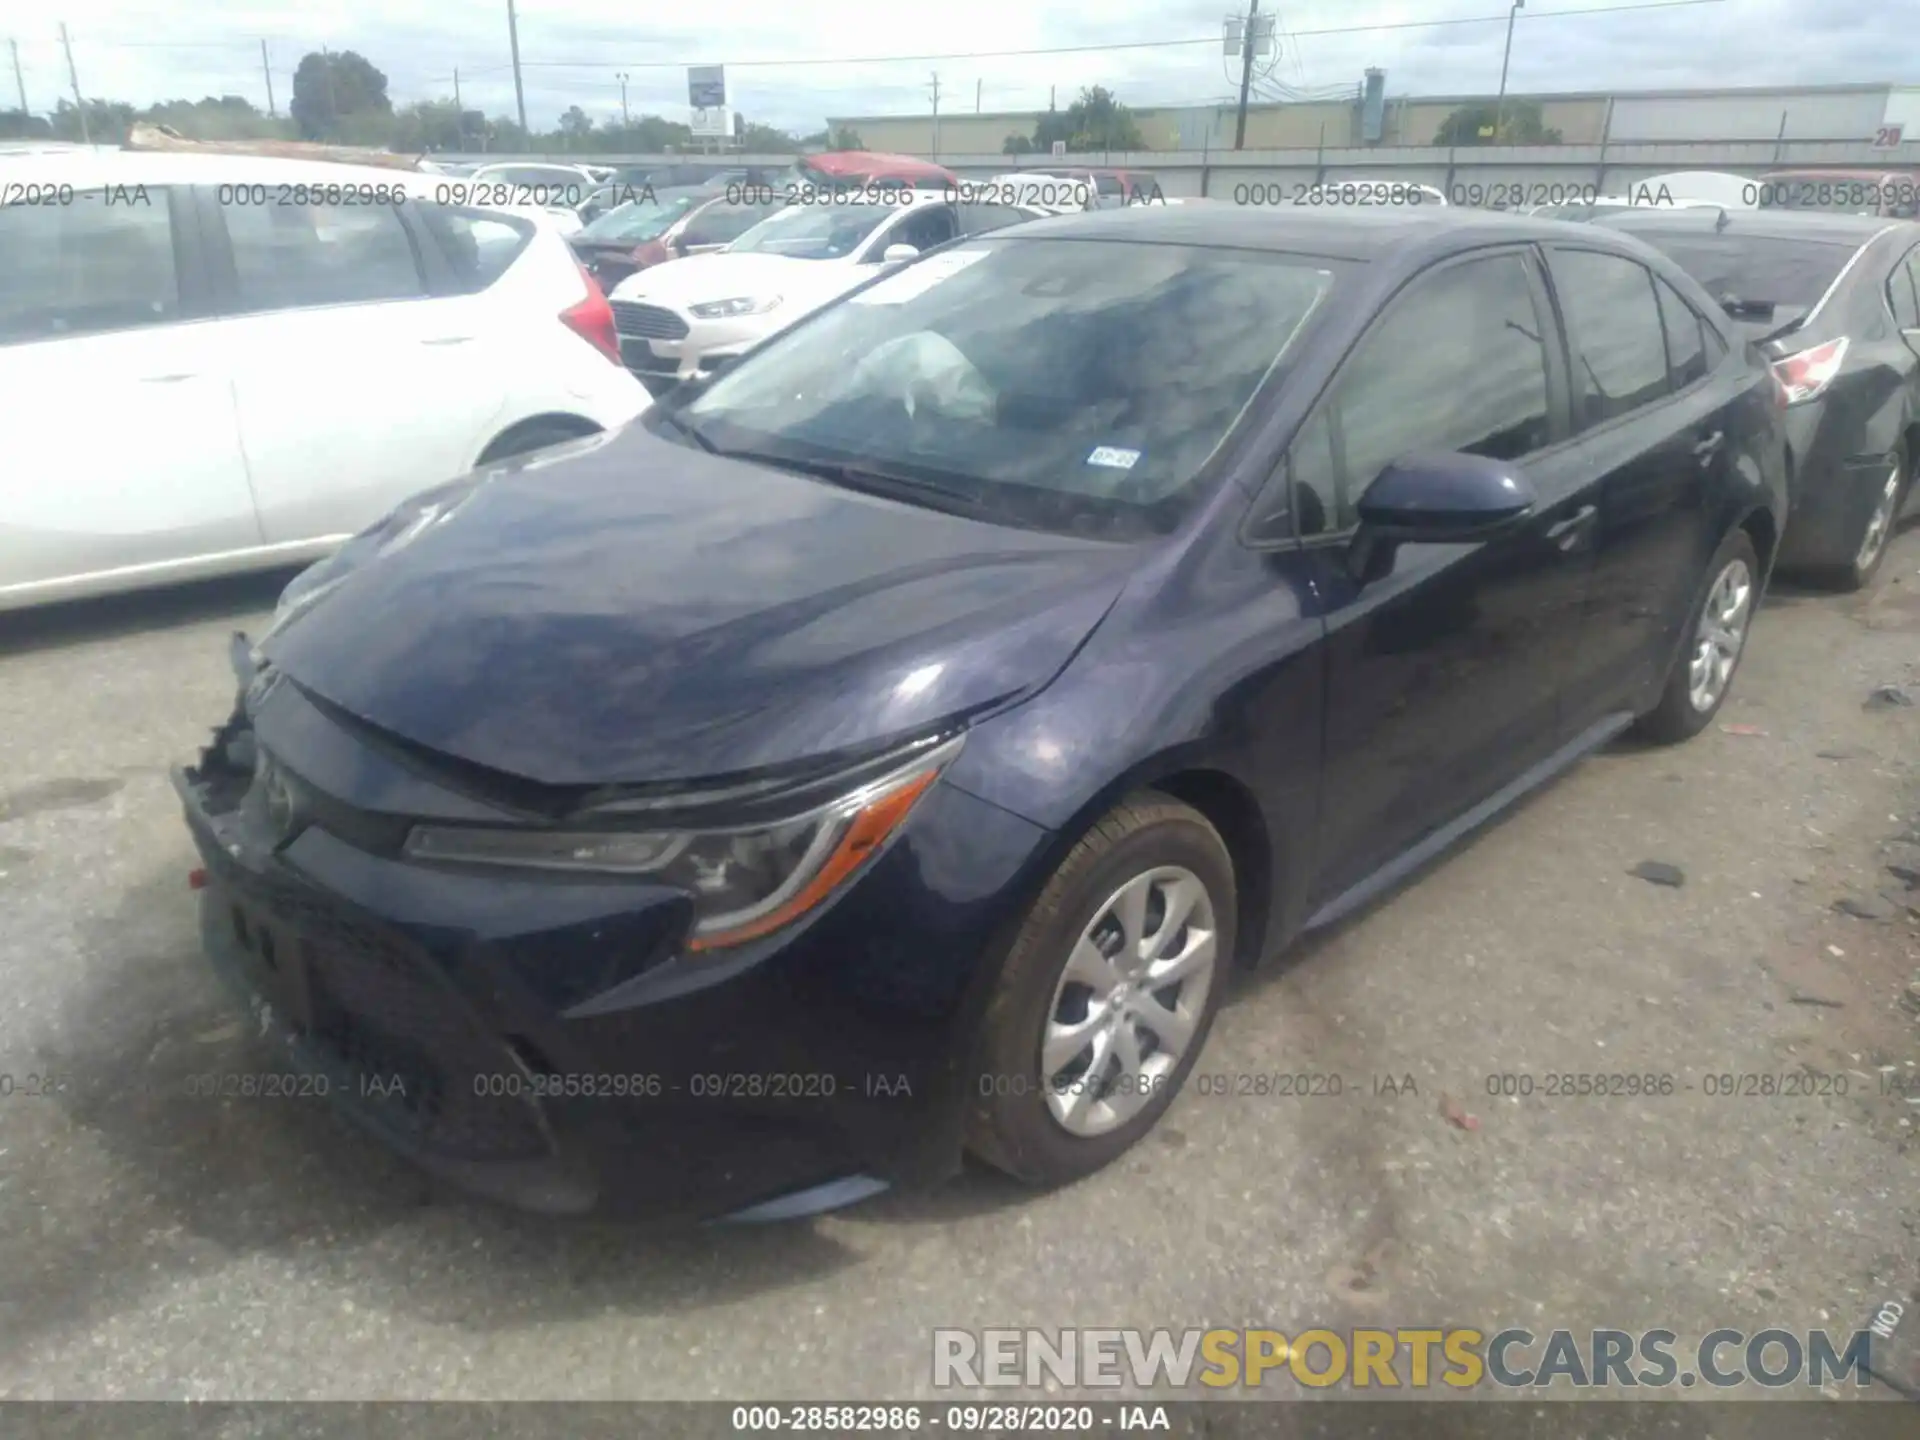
(1572, 530)
(1709, 445)
(448, 340)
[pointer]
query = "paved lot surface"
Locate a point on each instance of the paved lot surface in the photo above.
(157, 1245)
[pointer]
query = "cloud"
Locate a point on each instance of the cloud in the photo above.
(572, 52)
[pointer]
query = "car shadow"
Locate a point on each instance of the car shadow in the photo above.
(185, 1186)
(112, 617)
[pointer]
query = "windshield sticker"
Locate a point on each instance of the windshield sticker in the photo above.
(917, 279)
(1113, 458)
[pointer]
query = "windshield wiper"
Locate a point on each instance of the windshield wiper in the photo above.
(888, 485)
(686, 428)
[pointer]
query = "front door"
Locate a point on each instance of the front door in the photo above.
(1444, 675)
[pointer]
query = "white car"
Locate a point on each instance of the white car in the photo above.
(560, 190)
(214, 363)
(689, 317)
(1054, 194)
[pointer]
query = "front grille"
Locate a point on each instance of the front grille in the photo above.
(408, 1053)
(650, 322)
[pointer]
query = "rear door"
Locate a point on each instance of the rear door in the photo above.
(122, 447)
(1443, 676)
(356, 386)
(1654, 406)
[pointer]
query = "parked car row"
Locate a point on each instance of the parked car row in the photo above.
(218, 363)
(888, 748)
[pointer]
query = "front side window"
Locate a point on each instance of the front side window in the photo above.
(1069, 385)
(923, 229)
(978, 219)
(815, 232)
(89, 262)
(1458, 363)
(293, 256)
(1619, 349)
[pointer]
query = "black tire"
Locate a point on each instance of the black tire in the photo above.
(536, 435)
(1676, 717)
(1852, 575)
(1010, 1125)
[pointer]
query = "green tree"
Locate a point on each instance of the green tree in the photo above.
(428, 125)
(19, 125)
(107, 121)
(228, 117)
(331, 89)
(1520, 123)
(845, 137)
(1016, 145)
(574, 127)
(763, 139)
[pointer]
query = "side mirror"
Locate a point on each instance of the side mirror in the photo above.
(1435, 498)
(895, 254)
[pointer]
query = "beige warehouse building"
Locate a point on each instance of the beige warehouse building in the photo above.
(1817, 113)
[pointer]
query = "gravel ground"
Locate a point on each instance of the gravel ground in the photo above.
(162, 1246)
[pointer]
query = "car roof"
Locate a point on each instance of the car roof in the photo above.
(1336, 233)
(1762, 224)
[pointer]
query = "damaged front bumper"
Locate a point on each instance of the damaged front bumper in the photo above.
(542, 1042)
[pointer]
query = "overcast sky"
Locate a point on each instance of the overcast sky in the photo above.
(573, 50)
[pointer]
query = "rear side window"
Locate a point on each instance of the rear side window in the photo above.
(288, 257)
(1903, 295)
(1457, 363)
(1686, 337)
(1619, 349)
(477, 246)
(1756, 271)
(85, 263)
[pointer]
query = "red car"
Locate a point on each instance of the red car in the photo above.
(866, 167)
(1116, 187)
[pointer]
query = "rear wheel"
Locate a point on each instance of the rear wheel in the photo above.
(1107, 995)
(1876, 531)
(1716, 639)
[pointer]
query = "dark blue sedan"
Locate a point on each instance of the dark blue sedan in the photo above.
(886, 750)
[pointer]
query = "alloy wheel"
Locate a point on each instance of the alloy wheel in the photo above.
(1880, 524)
(1132, 994)
(1722, 632)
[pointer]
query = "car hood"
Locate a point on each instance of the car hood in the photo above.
(724, 276)
(631, 611)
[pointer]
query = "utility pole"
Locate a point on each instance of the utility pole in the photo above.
(1500, 105)
(457, 103)
(626, 120)
(976, 96)
(519, 93)
(66, 44)
(1246, 73)
(936, 114)
(19, 78)
(266, 69)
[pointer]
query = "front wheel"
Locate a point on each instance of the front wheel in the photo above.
(1107, 994)
(1717, 631)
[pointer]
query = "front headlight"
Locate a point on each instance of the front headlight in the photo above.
(745, 882)
(739, 305)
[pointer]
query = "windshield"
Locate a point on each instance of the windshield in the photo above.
(1893, 195)
(1757, 270)
(1068, 385)
(639, 219)
(815, 232)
